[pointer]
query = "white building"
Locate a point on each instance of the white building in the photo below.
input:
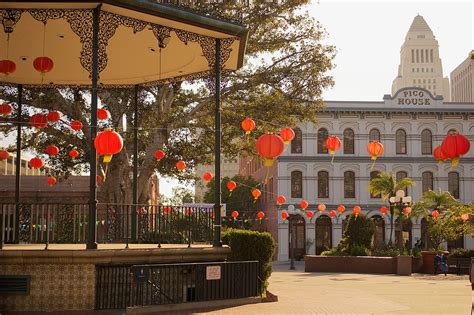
(462, 81)
(229, 168)
(420, 63)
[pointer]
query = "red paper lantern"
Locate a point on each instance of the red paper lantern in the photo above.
(52, 150)
(341, 209)
(102, 114)
(180, 165)
(375, 149)
(36, 163)
(73, 154)
(142, 211)
(439, 155)
(108, 143)
(188, 211)
(53, 116)
(407, 210)
(248, 125)
(383, 210)
(269, 147)
(321, 207)
(284, 215)
(356, 210)
(304, 204)
(38, 121)
(465, 217)
(7, 66)
(332, 214)
(287, 134)
(333, 143)
(454, 146)
(6, 109)
(166, 210)
(260, 215)
(435, 214)
(207, 176)
(51, 181)
(76, 125)
(43, 64)
(256, 193)
(281, 200)
(235, 214)
(231, 185)
(98, 179)
(309, 214)
(159, 155)
(4, 155)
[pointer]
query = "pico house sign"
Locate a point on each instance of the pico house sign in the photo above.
(413, 97)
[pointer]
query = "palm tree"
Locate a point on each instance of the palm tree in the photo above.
(386, 185)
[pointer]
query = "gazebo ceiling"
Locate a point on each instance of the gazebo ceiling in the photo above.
(130, 33)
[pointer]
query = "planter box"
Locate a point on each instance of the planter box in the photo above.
(358, 264)
(428, 262)
(416, 264)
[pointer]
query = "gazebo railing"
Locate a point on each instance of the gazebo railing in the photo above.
(115, 223)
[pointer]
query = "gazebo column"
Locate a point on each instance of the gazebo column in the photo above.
(92, 233)
(135, 165)
(18, 165)
(217, 149)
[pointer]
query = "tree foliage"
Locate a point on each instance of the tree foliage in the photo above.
(357, 233)
(179, 196)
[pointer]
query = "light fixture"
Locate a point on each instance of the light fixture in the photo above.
(8, 22)
(164, 41)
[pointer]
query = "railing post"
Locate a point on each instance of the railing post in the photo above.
(135, 164)
(217, 147)
(2, 226)
(18, 165)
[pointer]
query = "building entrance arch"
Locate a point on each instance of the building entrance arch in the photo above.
(298, 237)
(323, 234)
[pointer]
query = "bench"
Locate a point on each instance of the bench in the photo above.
(460, 265)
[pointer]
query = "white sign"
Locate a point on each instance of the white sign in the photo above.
(213, 272)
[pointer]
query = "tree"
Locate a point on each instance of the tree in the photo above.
(357, 234)
(386, 185)
(179, 196)
(281, 85)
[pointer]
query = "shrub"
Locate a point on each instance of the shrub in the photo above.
(333, 252)
(358, 232)
(358, 250)
(252, 245)
(386, 251)
(461, 253)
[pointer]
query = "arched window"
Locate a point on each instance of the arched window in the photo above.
(323, 234)
(400, 175)
(373, 175)
(426, 142)
(401, 141)
(296, 184)
(349, 184)
(348, 141)
(453, 184)
(374, 135)
(298, 237)
(297, 143)
(323, 184)
(322, 136)
(426, 181)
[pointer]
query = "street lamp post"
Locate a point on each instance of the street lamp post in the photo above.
(399, 201)
(292, 215)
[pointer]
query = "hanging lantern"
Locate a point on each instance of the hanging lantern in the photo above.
(465, 217)
(102, 114)
(383, 210)
(333, 143)
(281, 200)
(98, 179)
(332, 214)
(167, 210)
(76, 125)
(356, 211)
(142, 211)
(287, 134)
(321, 207)
(207, 177)
(435, 214)
(108, 143)
(159, 155)
(52, 150)
(235, 215)
(269, 147)
(304, 204)
(260, 215)
(309, 214)
(53, 116)
(36, 163)
(375, 149)
(4, 155)
(439, 155)
(231, 185)
(284, 215)
(7, 66)
(341, 209)
(38, 121)
(51, 181)
(454, 146)
(73, 154)
(188, 211)
(407, 210)
(43, 64)
(248, 125)
(212, 214)
(180, 165)
(5, 109)
(256, 193)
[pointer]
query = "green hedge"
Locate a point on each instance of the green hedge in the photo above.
(461, 253)
(252, 245)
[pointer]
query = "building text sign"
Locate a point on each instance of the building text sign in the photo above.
(413, 97)
(213, 272)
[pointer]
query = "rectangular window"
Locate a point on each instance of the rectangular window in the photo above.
(422, 55)
(431, 55)
(349, 184)
(323, 184)
(417, 56)
(412, 56)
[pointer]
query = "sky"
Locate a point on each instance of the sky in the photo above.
(368, 36)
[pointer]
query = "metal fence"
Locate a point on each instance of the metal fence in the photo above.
(115, 223)
(121, 286)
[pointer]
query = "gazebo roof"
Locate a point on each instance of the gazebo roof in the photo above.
(130, 32)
